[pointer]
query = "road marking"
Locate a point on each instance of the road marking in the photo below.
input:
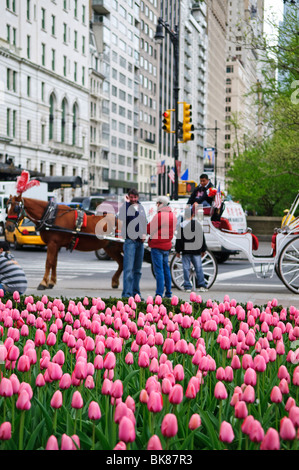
(232, 274)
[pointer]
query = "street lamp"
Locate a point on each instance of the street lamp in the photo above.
(174, 36)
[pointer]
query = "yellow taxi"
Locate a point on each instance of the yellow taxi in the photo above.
(24, 234)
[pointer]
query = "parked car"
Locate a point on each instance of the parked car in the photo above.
(97, 204)
(24, 234)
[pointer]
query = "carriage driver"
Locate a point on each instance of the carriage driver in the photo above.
(12, 276)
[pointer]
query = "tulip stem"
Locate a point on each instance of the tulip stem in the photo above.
(21, 430)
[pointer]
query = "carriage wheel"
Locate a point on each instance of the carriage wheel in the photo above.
(209, 266)
(288, 265)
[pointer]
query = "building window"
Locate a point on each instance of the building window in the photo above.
(28, 10)
(28, 46)
(76, 39)
(75, 71)
(14, 122)
(63, 120)
(8, 122)
(43, 133)
(43, 54)
(28, 131)
(53, 60)
(28, 86)
(53, 27)
(51, 118)
(64, 65)
(64, 32)
(74, 139)
(43, 18)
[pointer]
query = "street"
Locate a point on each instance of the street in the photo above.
(80, 274)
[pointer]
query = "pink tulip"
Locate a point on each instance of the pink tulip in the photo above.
(287, 429)
(109, 360)
(250, 377)
(6, 389)
(23, 401)
(117, 389)
(247, 423)
(241, 411)
(176, 394)
(40, 337)
(154, 443)
(249, 394)
(94, 411)
(169, 426)
(143, 359)
(256, 432)
(220, 391)
(65, 381)
(194, 422)
(155, 402)
(271, 440)
(120, 446)
(126, 430)
(77, 401)
(52, 443)
(67, 443)
(56, 400)
(23, 363)
(276, 395)
(226, 433)
(5, 431)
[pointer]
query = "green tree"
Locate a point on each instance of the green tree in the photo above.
(265, 177)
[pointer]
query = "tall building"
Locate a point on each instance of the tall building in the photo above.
(215, 90)
(188, 19)
(148, 119)
(245, 22)
(116, 26)
(44, 118)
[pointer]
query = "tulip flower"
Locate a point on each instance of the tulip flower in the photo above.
(154, 443)
(271, 440)
(226, 433)
(94, 411)
(77, 401)
(287, 429)
(176, 394)
(194, 422)
(155, 402)
(56, 400)
(126, 430)
(220, 391)
(169, 426)
(52, 443)
(5, 431)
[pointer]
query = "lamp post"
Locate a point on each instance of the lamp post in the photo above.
(174, 36)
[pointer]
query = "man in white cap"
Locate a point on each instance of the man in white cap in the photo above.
(161, 230)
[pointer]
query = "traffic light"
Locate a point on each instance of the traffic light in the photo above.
(167, 121)
(187, 120)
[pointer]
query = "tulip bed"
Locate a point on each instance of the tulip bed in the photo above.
(164, 374)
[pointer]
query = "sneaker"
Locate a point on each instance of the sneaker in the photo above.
(203, 289)
(188, 290)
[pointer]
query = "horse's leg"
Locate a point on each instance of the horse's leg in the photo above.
(114, 250)
(51, 263)
(53, 279)
(44, 283)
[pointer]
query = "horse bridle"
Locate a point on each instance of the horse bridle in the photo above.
(19, 210)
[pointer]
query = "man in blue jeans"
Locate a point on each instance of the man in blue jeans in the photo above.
(161, 231)
(133, 230)
(191, 244)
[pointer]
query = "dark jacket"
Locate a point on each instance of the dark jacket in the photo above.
(161, 229)
(133, 221)
(190, 238)
(200, 194)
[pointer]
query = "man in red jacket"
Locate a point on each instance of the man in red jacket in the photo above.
(161, 230)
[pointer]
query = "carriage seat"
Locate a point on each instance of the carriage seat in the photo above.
(225, 226)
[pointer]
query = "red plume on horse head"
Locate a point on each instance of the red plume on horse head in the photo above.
(24, 183)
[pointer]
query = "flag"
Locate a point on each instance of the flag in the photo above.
(217, 202)
(171, 174)
(185, 176)
(160, 167)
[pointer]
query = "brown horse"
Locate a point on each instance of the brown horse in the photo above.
(60, 230)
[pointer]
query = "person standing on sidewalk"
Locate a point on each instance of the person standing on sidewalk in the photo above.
(161, 230)
(191, 244)
(133, 218)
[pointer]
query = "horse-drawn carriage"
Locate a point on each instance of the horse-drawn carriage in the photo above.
(62, 226)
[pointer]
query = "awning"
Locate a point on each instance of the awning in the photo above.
(56, 182)
(9, 172)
